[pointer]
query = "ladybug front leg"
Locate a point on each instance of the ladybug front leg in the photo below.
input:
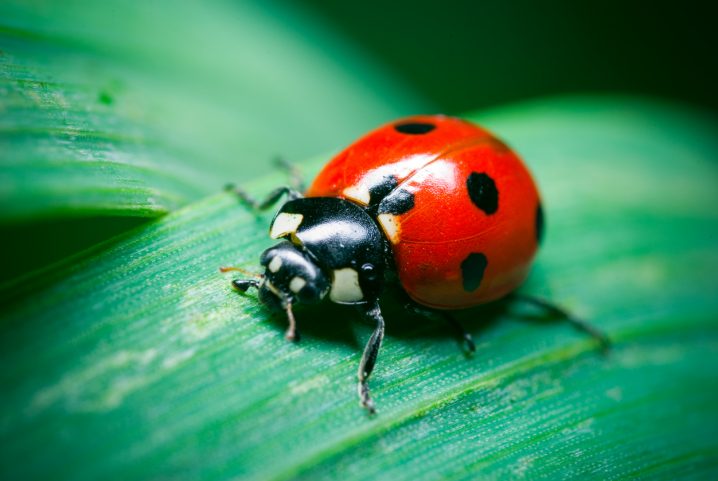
(371, 351)
(242, 285)
(268, 201)
(296, 180)
(292, 191)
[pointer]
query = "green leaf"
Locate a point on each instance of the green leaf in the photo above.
(114, 112)
(133, 108)
(137, 361)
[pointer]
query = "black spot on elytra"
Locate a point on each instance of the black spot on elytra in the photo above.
(378, 191)
(483, 192)
(472, 271)
(539, 223)
(399, 202)
(414, 128)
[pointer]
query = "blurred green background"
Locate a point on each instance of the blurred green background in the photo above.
(480, 54)
(125, 355)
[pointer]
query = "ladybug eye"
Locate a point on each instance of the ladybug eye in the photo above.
(414, 128)
(368, 271)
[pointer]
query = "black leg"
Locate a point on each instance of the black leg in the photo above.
(557, 311)
(461, 332)
(292, 191)
(271, 198)
(465, 337)
(371, 351)
(292, 334)
(296, 180)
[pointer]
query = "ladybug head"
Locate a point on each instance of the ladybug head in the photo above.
(290, 277)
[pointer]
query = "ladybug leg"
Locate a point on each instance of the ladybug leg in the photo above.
(271, 198)
(291, 334)
(463, 334)
(296, 180)
(368, 359)
(242, 285)
(292, 191)
(576, 322)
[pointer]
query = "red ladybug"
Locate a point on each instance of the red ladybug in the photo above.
(436, 201)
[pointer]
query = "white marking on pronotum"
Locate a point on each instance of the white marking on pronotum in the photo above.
(296, 284)
(285, 224)
(275, 264)
(390, 224)
(345, 286)
(358, 193)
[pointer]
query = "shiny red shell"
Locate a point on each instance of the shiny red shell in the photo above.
(472, 230)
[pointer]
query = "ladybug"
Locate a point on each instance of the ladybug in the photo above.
(435, 203)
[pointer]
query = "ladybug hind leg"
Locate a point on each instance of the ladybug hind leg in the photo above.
(371, 352)
(465, 336)
(561, 313)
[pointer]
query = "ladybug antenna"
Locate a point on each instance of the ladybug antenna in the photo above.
(244, 284)
(239, 269)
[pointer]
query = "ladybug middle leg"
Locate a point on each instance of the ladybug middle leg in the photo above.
(371, 351)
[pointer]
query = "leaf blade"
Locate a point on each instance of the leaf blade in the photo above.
(172, 106)
(146, 351)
